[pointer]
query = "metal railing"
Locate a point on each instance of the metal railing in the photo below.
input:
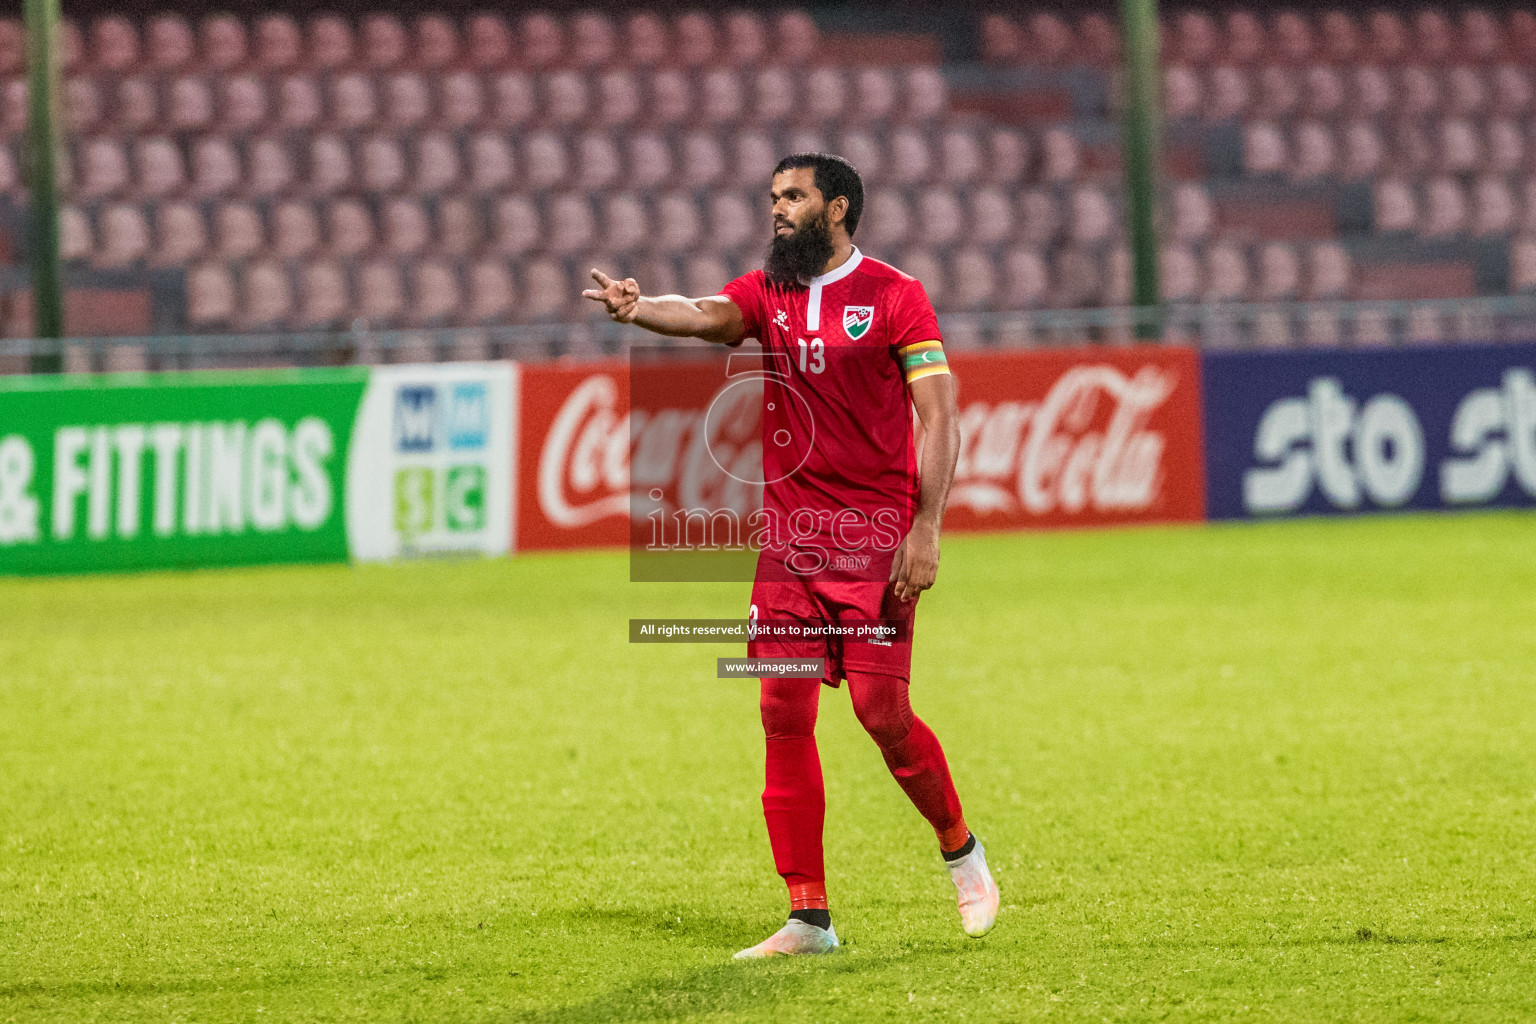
(1277, 325)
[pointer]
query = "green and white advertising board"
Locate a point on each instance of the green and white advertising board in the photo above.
(138, 471)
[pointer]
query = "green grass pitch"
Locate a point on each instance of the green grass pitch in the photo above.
(1279, 773)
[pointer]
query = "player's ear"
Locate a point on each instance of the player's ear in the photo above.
(837, 210)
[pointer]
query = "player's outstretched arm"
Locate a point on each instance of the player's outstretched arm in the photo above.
(715, 318)
(916, 565)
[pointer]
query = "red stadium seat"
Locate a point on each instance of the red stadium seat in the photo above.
(1264, 149)
(592, 39)
(1339, 38)
(1522, 266)
(671, 100)
(705, 274)
(103, 169)
(459, 227)
(10, 176)
(267, 296)
(960, 157)
(678, 228)
(797, 37)
(189, 104)
(1329, 271)
(211, 297)
(71, 48)
(490, 162)
(1482, 38)
(926, 267)
(1228, 93)
(1279, 91)
(278, 42)
(1433, 39)
(1505, 146)
(647, 40)
(1182, 93)
(618, 99)
(1091, 216)
(512, 102)
(330, 42)
(180, 235)
(222, 43)
(462, 100)
(940, 219)
(887, 221)
(384, 41)
(746, 39)
(122, 237)
(1387, 37)
(1323, 91)
(243, 103)
(114, 45)
(826, 96)
(1077, 279)
(349, 229)
(491, 296)
(1007, 156)
(436, 163)
(323, 297)
(516, 227)
(1195, 39)
(1292, 37)
(1060, 156)
(1418, 91)
(169, 43)
(138, 105)
(381, 165)
(436, 41)
(13, 47)
(1460, 146)
(269, 167)
(407, 100)
(1511, 90)
(489, 42)
(1466, 92)
(238, 231)
(298, 102)
(1098, 40)
(1363, 151)
(1002, 40)
(330, 165)
(876, 95)
(547, 292)
(703, 160)
(544, 161)
(353, 104)
(1245, 39)
(541, 40)
(159, 170)
(694, 34)
(625, 225)
(405, 228)
(295, 230)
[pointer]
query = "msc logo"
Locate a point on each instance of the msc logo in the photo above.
(469, 416)
(415, 418)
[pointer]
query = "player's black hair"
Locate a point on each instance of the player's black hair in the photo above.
(834, 177)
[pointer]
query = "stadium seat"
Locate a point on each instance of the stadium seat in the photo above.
(1182, 96)
(1060, 156)
(1445, 208)
(572, 224)
(670, 101)
(353, 104)
(732, 221)
(927, 96)
(242, 103)
(746, 38)
(1007, 156)
(875, 96)
(1482, 39)
(1178, 273)
(1192, 214)
(1494, 208)
(694, 39)
(1394, 206)
(269, 167)
(1418, 91)
(797, 38)
(1460, 146)
(512, 99)
(349, 229)
(1504, 146)
(541, 39)
(565, 99)
(1329, 271)
(237, 231)
(460, 227)
(1522, 266)
(76, 237)
(1040, 219)
(295, 230)
(1264, 149)
(330, 165)
(1245, 38)
(678, 227)
(381, 165)
(887, 221)
(753, 156)
(323, 299)
(1364, 151)
(384, 41)
(1117, 276)
(1432, 39)
(488, 42)
(650, 160)
(940, 219)
(705, 274)
(298, 102)
(1002, 40)
(989, 221)
(330, 43)
(544, 161)
(720, 97)
(597, 161)
(1194, 38)
(71, 49)
(10, 174)
(159, 171)
(113, 47)
(407, 100)
(1292, 38)
(210, 297)
(1026, 280)
(826, 96)
(122, 237)
(593, 39)
(435, 292)
(547, 291)
(1386, 37)
(909, 161)
(169, 43)
(82, 104)
(490, 162)
(1278, 92)
(436, 163)
(863, 151)
(462, 100)
(960, 157)
(406, 230)
(1226, 273)
(972, 278)
(1511, 90)
(1371, 92)
(1076, 279)
(1314, 153)
(515, 226)
(490, 292)
(1338, 38)
(103, 169)
(278, 42)
(380, 293)
(1466, 92)
(223, 44)
(929, 270)
(1279, 269)
(1091, 216)
(1227, 94)
(13, 47)
(1323, 91)
(805, 140)
(180, 235)
(773, 96)
(137, 106)
(189, 103)
(618, 99)
(267, 296)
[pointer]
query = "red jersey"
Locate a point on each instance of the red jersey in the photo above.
(838, 455)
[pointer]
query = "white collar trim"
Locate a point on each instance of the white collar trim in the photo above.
(813, 304)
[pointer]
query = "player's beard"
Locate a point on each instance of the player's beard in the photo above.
(800, 255)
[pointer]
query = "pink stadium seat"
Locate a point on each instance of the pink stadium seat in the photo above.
(462, 100)
(887, 221)
(1445, 208)
(380, 293)
(459, 227)
(1526, 221)
(1460, 146)
(1098, 40)
(1076, 279)
(353, 105)
(972, 278)
(1411, 150)
(746, 39)
(1482, 38)
(909, 161)
(349, 229)
(671, 99)
(1387, 38)
(1264, 150)
(13, 107)
(138, 105)
(1279, 272)
(1505, 146)
(754, 157)
(1007, 156)
(1418, 91)
(625, 224)
(773, 96)
(1338, 38)
(1002, 40)
(490, 162)
(189, 105)
(1323, 91)
(1511, 90)
(1050, 38)
(1060, 156)
(159, 168)
(647, 39)
(1091, 216)
(222, 43)
(618, 99)
(927, 268)
(989, 217)
(1040, 219)
(295, 230)
(407, 100)
(1226, 273)
(721, 100)
(491, 296)
(298, 102)
(1433, 37)
(1494, 210)
(489, 42)
(237, 231)
(436, 163)
(180, 235)
(1117, 276)
(1522, 266)
(169, 44)
(243, 103)
(210, 296)
(547, 291)
(703, 160)
(71, 46)
(122, 237)
(76, 238)
(330, 42)
(797, 37)
(269, 167)
(512, 101)
(826, 95)
(1178, 273)
(863, 151)
(1192, 213)
(1026, 279)
(381, 164)
(1363, 151)
(278, 42)
(565, 98)
(678, 227)
(733, 221)
(1292, 37)
(961, 160)
(1228, 93)
(384, 41)
(323, 299)
(114, 45)
(1182, 97)
(103, 169)
(940, 219)
(1195, 39)
(267, 295)
(705, 274)
(1394, 206)
(13, 47)
(82, 104)
(1314, 153)
(1279, 91)
(515, 226)
(10, 175)
(1246, 41)
(650, 160)
(406, 229)
(926, 94)
(544, 161)
(1466, 92)
(330, 165)
(436, 38)
(876, 95)
(694, 34)
(435, 289)
(542, 40)
(592, 39)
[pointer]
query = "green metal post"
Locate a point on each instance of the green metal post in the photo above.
(1139, 143)
(43, 138)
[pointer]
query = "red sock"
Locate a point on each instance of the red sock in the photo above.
(794, 803)
(911, 751)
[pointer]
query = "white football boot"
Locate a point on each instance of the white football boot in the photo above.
(978, 895)
(797, 939)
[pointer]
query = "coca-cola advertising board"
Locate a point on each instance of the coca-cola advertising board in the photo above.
(1080, 437)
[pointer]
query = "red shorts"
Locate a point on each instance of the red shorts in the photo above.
(815, 604)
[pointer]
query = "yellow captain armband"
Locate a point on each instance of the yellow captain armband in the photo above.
(922, 359)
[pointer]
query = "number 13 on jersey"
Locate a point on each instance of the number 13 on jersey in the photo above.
(812, 359)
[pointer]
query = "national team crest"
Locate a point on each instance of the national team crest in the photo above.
(856, 320)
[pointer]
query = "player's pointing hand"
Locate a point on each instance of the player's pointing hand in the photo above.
(620, 298)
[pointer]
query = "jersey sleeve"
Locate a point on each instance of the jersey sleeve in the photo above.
(750, 296)
(918, 345)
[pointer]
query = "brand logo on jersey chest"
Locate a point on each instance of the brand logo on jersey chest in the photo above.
(856, 320)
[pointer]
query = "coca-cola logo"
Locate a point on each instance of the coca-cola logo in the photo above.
(1086, 445)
